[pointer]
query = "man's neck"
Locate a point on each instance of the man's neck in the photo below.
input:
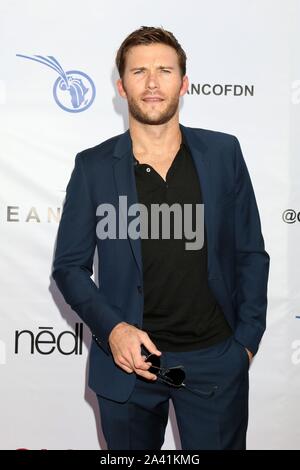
(155, 141)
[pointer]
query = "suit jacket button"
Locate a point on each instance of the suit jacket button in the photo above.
(140, 289)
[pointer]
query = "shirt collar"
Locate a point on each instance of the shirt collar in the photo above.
(182, 145)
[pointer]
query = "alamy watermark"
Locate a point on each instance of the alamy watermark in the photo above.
(183, 217)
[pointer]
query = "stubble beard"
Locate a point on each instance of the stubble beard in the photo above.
(145, 118)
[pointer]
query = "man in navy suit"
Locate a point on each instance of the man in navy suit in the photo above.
(199, 311)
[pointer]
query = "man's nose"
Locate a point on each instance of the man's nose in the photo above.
(152, 81)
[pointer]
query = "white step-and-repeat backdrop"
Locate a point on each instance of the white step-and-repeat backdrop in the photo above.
(244, 70)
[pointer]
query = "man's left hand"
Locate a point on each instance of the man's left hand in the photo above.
(250, 355)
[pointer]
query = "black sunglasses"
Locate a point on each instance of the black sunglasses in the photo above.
(175, 377)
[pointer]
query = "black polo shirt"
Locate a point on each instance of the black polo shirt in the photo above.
(180, 311)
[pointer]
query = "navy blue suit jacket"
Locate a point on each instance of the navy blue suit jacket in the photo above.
(238, 264)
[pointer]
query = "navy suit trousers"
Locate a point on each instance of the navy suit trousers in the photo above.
(204, 423)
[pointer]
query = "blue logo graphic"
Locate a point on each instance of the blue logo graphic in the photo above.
(73, 91)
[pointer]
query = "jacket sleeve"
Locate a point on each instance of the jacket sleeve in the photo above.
(252, 261)
(73, 259)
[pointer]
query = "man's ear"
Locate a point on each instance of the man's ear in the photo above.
(120, 88)
(184, 86)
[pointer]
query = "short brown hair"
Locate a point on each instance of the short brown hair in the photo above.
(149, 35)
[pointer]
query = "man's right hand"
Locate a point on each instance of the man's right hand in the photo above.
(125, 342)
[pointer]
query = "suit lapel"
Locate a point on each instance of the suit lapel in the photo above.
(125, 183)
(200, 155)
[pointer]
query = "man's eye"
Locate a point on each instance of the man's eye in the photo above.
(140, 71)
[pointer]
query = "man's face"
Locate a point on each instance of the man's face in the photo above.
(152, 83)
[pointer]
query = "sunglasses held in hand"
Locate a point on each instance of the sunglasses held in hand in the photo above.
(175, 376)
